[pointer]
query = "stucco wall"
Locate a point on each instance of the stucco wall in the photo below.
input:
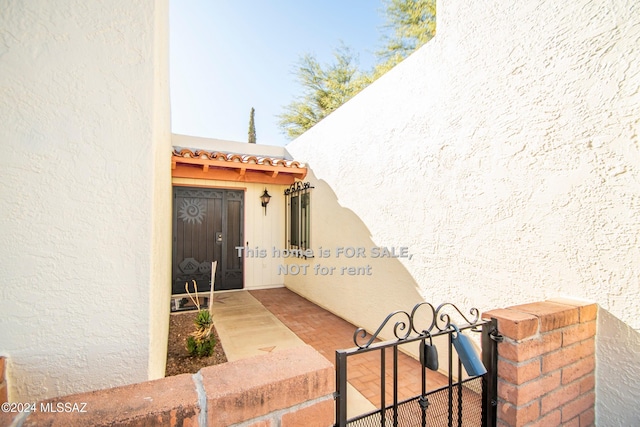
(505, 154)
(85, 201)
(618, 372)
(159, 286)
(226, 146)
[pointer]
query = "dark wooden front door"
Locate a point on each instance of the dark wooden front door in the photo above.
(207, 226)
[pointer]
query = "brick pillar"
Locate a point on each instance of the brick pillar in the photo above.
(546, 364)
(3, 383)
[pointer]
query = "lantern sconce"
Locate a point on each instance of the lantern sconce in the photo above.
(265, 200)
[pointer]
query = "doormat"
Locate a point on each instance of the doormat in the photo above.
(185, 304)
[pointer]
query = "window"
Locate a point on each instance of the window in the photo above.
(298, 215)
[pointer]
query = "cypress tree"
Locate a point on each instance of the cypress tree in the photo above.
(252, 127)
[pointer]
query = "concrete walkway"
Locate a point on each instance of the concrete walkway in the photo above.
(246, 328)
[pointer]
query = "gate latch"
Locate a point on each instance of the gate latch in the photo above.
(496, 336)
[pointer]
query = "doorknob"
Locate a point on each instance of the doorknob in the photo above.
(218, 236)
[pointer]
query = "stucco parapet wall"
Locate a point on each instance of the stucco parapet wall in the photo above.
(223, 145)
(205, 164)
(266, 388)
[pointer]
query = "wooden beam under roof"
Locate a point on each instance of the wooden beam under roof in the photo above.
(236, 170)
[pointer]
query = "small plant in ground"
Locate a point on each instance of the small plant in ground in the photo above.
(200, 342)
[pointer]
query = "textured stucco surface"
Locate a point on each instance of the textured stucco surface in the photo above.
(84, 236)
(505, 154)
(159, 285)
(618, 372)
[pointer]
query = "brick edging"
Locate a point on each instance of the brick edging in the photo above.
(291, 384)
(3, 381)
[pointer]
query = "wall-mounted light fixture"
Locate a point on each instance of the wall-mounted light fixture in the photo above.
(265, 200)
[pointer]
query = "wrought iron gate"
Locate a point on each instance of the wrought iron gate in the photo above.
(463, 401)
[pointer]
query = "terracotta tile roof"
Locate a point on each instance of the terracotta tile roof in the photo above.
(235, 157)
(204, 164)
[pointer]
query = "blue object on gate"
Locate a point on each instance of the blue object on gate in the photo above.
(467, 353)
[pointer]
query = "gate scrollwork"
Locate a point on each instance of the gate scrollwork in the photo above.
(440, 320)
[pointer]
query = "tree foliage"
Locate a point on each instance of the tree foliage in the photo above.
(410, 24)
(252, 127)
(325, 88)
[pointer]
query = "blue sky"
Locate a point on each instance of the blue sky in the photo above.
(227, 56)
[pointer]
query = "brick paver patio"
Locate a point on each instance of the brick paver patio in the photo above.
(327, 333)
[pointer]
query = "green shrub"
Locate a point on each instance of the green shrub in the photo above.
(200, 348)
(201, 342)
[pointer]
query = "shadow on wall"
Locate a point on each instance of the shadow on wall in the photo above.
(617, 372)
(350, 274)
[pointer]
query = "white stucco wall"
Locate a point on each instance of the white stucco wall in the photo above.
(85, 199)
(159, 286)
(618, 372)
(505, 154)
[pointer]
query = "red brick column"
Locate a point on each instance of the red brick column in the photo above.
(3, 383)
(546, 364)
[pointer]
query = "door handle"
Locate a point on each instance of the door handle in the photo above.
(218, 236)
